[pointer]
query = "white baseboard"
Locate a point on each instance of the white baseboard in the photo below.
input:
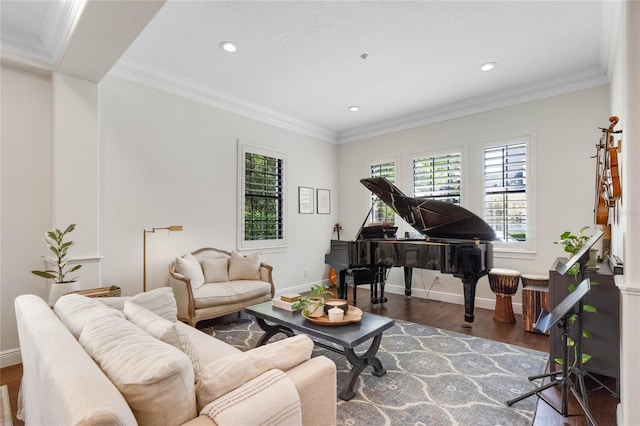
(10, 357)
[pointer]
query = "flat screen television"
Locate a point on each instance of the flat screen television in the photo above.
(581, 256)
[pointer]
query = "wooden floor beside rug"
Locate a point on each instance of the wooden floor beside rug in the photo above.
(446, 316)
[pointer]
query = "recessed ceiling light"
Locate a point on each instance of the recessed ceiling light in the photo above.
(228, 46)
(354, 108)
(488, 66)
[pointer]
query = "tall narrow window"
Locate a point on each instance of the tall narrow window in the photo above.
(505, 190)
(438, 177)
(382, 212)
(262, 198)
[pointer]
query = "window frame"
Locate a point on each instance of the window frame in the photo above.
(514, 247)
(245, 148)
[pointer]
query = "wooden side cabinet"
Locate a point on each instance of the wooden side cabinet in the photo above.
(604, 343)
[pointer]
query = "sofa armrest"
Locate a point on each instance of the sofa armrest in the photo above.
(61, 384)
(266, 274)
(183, 293)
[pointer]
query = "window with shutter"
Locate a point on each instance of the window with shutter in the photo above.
(382, 212)
(505, 190)
(438, 177)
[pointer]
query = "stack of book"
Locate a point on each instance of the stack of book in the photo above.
(285, 301)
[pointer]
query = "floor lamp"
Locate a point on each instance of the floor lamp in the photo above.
(173, 228)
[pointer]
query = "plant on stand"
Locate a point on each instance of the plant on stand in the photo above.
(54, 239)
(313, 304)
(572, 244)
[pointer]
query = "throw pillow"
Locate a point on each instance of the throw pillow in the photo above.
(269, 400)
(244, 267)
(160, 300)
(216, 270)
(155, 325)
(162, 329)
(156, 379)
(75, 311)
(228, 373)
(189, 266)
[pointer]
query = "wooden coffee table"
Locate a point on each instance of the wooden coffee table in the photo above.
(349, 336)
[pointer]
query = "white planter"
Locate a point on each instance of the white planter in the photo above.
(60, 289)
(316, 309)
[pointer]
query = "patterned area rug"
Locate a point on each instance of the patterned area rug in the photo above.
(434, 377)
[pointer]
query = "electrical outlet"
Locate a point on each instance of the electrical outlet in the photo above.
(306, 272)
(437, 274)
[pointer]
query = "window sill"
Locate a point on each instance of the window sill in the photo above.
(507, 253)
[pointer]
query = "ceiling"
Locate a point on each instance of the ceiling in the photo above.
(300, 64)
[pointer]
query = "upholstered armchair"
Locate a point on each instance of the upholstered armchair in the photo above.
(209, 283)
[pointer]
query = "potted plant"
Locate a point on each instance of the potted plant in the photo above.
(572, 244)
(62, 284)
(313, 304)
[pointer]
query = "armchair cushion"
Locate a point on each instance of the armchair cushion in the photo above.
(216, 270)
(244, 267)
(230, 372)
(190, 268)
(218, 294)
(270, 399)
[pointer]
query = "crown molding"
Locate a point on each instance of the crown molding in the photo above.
(55, 30)
(527, 93)
(160, 79)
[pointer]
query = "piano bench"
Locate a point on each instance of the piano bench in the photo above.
(356, 277)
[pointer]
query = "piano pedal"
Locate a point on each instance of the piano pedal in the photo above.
(383, 300)
(466, 325)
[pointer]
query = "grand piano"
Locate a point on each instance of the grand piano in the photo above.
(456, 241)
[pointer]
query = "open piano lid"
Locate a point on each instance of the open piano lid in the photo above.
(435, 219)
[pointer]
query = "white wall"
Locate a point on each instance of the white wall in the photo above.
(565, 131)
(25, 197)
(167, 161)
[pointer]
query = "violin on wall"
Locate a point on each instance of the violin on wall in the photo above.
(608, 188)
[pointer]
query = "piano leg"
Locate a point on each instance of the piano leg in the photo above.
(408, 277)
(381, 277)
(342, 285)
(469, 288)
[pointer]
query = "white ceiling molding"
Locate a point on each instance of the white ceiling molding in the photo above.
(57, 20)
(527, 93)
(178, 85)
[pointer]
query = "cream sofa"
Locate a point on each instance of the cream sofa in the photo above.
(122, 361)
(209, 283)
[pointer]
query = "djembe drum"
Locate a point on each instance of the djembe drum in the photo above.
(504, 284)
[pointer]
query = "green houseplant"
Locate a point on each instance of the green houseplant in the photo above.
(313, 304)
(572, 243)
(62, 284)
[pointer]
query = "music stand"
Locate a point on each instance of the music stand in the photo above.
(561, 314)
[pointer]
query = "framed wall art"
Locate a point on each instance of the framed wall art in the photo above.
(323, 201)
(305, 200)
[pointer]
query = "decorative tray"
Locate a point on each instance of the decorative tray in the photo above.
(354, 314)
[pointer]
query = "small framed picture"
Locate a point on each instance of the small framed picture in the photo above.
(305, 200)
(323, 201)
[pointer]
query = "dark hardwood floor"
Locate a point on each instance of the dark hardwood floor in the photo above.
(449, 316)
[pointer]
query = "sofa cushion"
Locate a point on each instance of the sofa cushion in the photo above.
(216, 270)
(214, 294)
(114, 302)
(162, 329)
(154, 324)
(244, 267)
(75, 311)
(228, 373)
(270, 400)
(156, 379)
(189, 266)
(160, 300)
